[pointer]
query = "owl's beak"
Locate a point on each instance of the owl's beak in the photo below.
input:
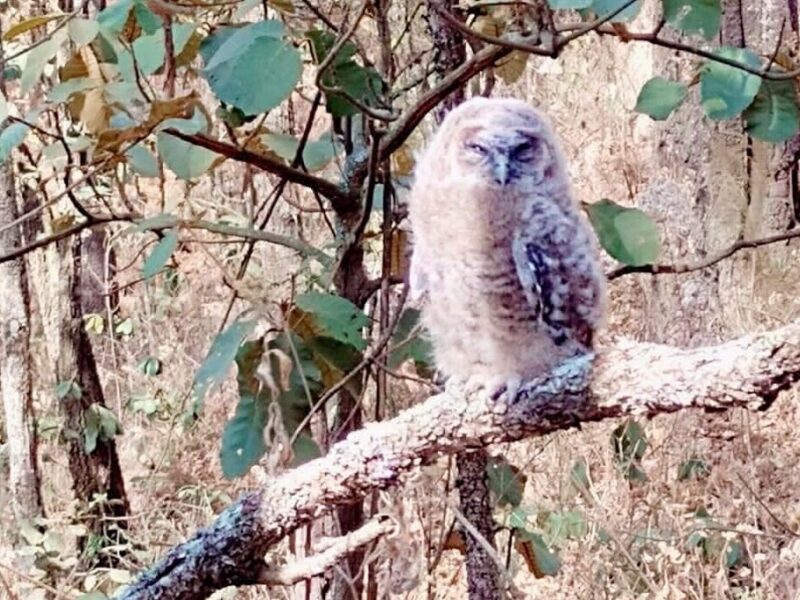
(501, 170)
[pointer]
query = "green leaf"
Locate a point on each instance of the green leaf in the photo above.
(161, 221)
(94, 323)
(220, 356)
(124, 327)
(112, 19)
(316, 154)
(602, 8)
(150, 50)
(505, 481)
(68, 389)
(254, 69)
(417, 348)
(565, 525)
(149, 22)
(569, 4)
(694, 468)
(540, 559)
(335, 317)
(689, 16)
(186, 160)
(343, 73)
(10, 138)
(629, 444)
(38, 58)
(142, 161)
(62, 91)
(82, 31)
(627, 234)
(725, 91)
(100, 424)
(243, 441)
(305, 449)
(160, 254)
(150, 366)
(579, 475)
(773, 116)
(659, 97)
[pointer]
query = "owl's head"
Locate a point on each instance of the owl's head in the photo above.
(501, 141)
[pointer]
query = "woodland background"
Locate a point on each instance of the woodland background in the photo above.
(131, 461)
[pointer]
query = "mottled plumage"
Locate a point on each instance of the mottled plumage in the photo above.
(505, 264)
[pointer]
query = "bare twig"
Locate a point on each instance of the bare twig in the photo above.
(705, 263)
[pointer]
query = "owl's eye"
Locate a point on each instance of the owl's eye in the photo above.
(524, 150)
(477, 148)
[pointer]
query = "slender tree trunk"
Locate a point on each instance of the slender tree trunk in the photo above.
(95, 470)
(15, 365)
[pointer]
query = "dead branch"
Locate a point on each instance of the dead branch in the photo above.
(329, 552)
(627, 379)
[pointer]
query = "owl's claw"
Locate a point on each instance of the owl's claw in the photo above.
(496, 387)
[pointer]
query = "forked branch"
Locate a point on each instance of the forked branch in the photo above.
(627, 378)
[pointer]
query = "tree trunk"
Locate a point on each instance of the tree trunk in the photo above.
(15, 365)
(95, 470)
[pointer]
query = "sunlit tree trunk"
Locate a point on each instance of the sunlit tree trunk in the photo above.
(15, 365)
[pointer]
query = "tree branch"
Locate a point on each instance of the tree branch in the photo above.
(342, 201)
(628, 378)
(710, 261)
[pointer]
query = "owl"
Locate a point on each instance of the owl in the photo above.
(504, 264)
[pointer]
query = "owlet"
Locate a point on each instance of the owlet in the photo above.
(503, 260)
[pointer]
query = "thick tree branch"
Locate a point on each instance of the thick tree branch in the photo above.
(628, 378)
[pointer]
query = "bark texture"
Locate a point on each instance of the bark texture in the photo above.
(15, 365)
(629, 378)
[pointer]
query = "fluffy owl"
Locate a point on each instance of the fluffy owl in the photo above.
(504, 264)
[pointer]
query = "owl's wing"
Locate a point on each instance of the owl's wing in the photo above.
(546, 284)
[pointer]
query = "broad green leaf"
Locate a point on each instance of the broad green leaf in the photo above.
(12, 136)
(335, 359)
(61, 92)
(100, 425)
(316, 154)
(38, 58)
(160, 254)
(142, 161)
(28, 24)
(659, 97)
(150, 51)
(148, 21)
(336, 317)
(254, 69)
(220, 357)
(773, 116)
(418, 348)
(293, 402)
(68, 389)
(505, 481)
(82, 31)
(157, 222)
(305, 449)
(361, 83)
(541, 561)
(603, 8)
(186, 160)
(213, 42)
(243, 441)
(725, 91)
(701, 16)
(113, 18)
(569, 4)
(627, 234)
